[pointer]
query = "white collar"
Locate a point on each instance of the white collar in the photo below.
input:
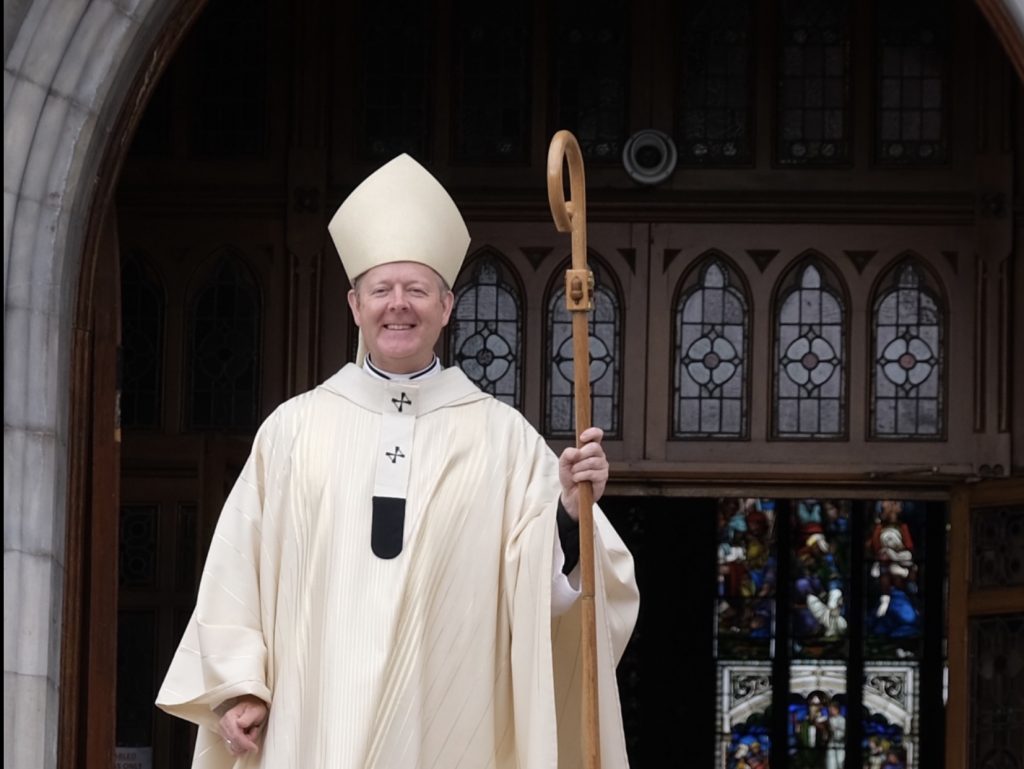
(433, 368)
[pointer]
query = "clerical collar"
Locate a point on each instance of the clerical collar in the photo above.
(431, 370)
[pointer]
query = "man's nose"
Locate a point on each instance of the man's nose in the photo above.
(398, 297)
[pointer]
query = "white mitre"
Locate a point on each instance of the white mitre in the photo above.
(400, 213)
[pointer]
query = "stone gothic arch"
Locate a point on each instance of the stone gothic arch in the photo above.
(77, 76)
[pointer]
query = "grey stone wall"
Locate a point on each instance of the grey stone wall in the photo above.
(67, 68)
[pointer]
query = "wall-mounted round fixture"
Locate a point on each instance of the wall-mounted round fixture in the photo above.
(649, 156)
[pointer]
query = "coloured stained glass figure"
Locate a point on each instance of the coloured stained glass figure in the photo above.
(893, 568)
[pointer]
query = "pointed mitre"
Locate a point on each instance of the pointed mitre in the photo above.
(400, 213)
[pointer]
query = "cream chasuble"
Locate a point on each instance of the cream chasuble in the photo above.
(441, 655)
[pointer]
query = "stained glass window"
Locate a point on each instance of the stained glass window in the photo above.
(591, 64)
(224, 346)
(492, 105)
(814, 83)
(142, 331)
(486, 330)
(605, 323)
(231, 114)
(745, 628)
(745, 715)
(715, 122)
(817, 713)
(832, 637)
(395, 59)
(911, 82)
(908, 353)
(810, 347)
(890, 707)
(821, 578)
(711, 340)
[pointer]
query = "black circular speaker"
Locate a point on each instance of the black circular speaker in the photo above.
(649, 156)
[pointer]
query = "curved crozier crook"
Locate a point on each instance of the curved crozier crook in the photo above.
(568, 215)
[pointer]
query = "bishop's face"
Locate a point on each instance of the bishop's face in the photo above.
(401, 308)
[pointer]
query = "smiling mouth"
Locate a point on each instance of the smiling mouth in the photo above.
(398, 326)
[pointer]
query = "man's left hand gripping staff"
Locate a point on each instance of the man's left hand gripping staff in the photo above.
(242, 723)
(587, 463)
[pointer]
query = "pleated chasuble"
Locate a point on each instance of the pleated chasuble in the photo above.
(443, 656)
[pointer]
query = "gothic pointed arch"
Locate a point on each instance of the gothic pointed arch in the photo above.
(712, 309)
(908, 337)
(811, 342)
(224, 326)
(485, 333)
(606, 322)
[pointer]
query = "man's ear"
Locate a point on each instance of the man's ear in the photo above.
(447, 301)
(353, 304)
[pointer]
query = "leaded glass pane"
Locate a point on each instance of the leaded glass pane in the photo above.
(224, 346)
(997, 547)
(744, 715)
(486, 332)
(820, 565)
(716, 88)
(142, 331)
(997, 691)
(907, 347)
(911, 82)
(814, 83)
(231, 113)
(810, 344)
(395, 57)
(591, 55)
(137, 545)
(817, 716)
(891, 715)
(893, 559)
(711, 338)
(747, 568)
(492, 107)
(605, 324)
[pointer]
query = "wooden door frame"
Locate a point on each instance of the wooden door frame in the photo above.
(966, 604)
(88, 671)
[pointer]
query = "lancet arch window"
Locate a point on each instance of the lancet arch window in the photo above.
(486, 330)
(715, 120)
(605, 322)
(143, 310)
(224, 323)
(711, 353)
(814, 83)
(811, 342)
(908, 355)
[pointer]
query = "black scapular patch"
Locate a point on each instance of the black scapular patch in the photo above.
(388, 526)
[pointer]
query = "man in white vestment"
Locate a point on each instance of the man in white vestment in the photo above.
(393, 580)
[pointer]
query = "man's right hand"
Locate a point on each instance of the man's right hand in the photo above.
(241, 726)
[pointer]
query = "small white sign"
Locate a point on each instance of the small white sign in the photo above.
(133, 758)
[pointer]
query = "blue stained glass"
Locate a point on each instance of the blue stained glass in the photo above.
(747, 568)
(817, 715)
(744, 739)
(820, 577)
(893, 558)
